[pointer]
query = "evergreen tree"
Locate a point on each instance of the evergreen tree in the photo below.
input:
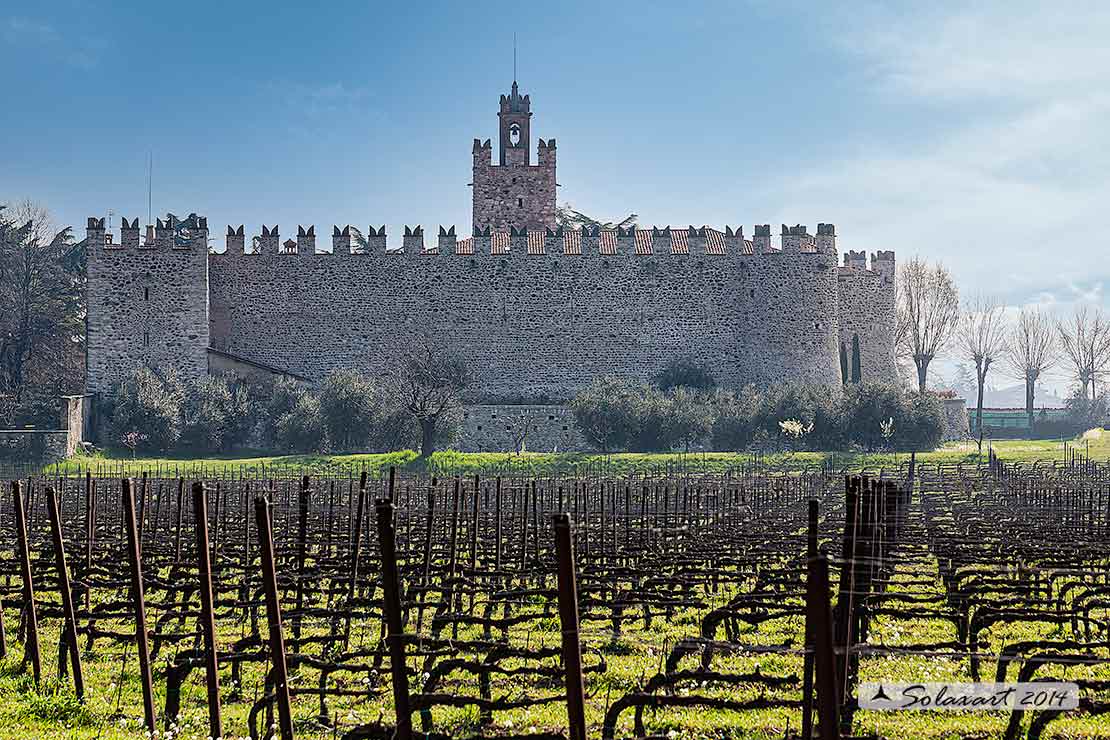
(857, 370)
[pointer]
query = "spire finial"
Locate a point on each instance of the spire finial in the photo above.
(514, 58)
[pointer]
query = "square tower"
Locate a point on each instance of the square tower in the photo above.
(514, 193)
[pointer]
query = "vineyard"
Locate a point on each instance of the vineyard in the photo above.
(748, 603)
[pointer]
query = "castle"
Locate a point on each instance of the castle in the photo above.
(537, 311)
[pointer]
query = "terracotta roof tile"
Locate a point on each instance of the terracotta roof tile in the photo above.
(607, 243)
(572, 242)
(535, 242)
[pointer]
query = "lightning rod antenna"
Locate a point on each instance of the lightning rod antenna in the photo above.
(514, 56)
(149, 186)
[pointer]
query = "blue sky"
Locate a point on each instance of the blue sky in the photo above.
(973, 135)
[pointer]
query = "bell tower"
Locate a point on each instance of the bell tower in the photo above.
(515, 115)
(514, 193)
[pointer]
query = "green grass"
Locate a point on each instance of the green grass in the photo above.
(113, 710)
(450, 462)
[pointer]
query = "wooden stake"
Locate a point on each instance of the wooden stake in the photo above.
(141, 638)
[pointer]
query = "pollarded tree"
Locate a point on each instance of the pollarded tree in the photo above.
(1030, 352)
(429, 383)
(928, 313)
(1085, 340)
(981, 340)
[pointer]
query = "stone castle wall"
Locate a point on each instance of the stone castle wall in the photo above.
(533, 325)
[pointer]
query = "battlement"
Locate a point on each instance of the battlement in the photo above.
(483, 152)
(546, 149)
(882, 263)
(657, 241)
(172, 234)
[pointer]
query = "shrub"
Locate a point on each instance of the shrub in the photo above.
(1082, 412)
(684, 372)
(302, 428)
(650, 415)
(881, 416)
(735, 421)
(870, 406)
(830, 430)
(924, 423)
(146, 413)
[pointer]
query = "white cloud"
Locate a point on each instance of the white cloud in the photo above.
(319, 99)
(83, 51)
(25, 30)
(1016, 49)
(1012, 196)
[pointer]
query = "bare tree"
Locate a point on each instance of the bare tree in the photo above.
(928, 313)
(429, 383)
(1085, 340)
(1031, 352)
(981, 340)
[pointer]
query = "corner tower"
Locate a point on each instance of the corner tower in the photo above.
(147, 302)
(514, 193)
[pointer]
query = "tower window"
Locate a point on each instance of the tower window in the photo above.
(146, 338)
(146, 294)
(514, 134)
(520, 202)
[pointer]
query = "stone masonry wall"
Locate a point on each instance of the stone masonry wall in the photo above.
(533, 325)
(38, 445)
(148, 305)
(955, 418)
(508, 428)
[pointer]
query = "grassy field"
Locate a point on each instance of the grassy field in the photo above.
(113, 712)
(543, 463)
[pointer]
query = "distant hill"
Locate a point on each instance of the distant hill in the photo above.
(1014, 397)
